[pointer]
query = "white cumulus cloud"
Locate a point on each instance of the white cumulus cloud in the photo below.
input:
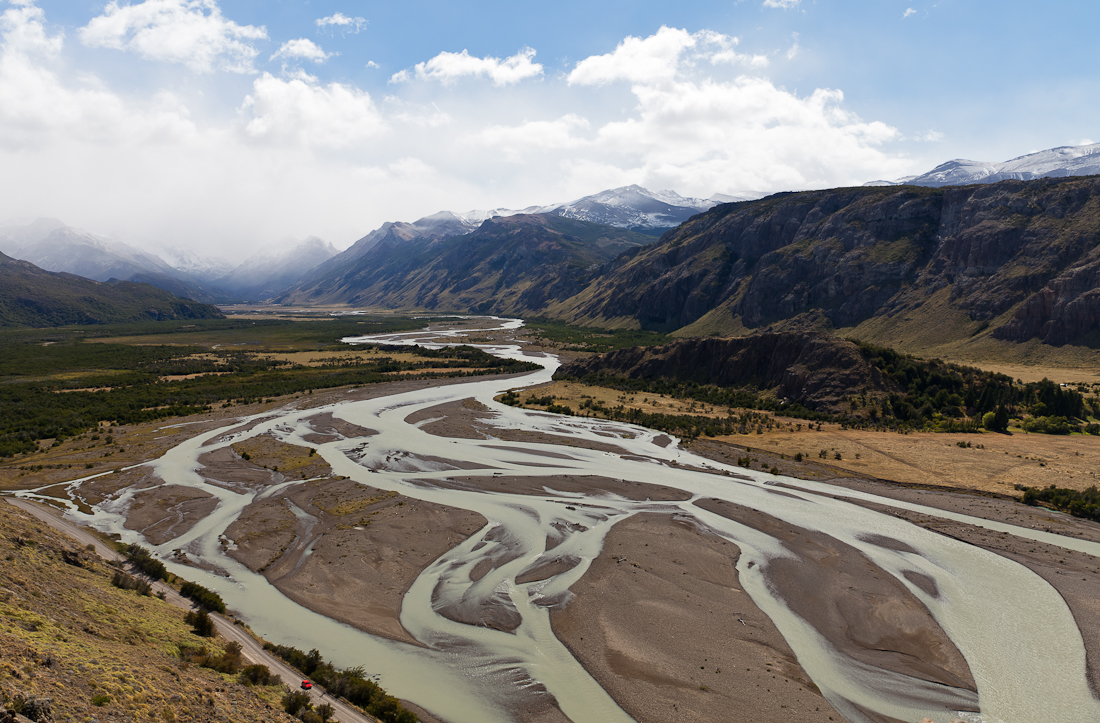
(908, 12)
(302, 48)
(660, 57)
(449, 67)
(301, 112)
(191, 32)
(347, 24)
(38, 109)
(781, 3)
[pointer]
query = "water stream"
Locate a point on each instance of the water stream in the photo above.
(1014, 629)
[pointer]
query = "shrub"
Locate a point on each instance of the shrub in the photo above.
(229, 662)
(201, 622)
(258, 674)
(206, 598)
(144, 561)
(1049, 425)
(128, 582)
(295, 702)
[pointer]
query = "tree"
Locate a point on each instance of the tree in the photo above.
(326, 712)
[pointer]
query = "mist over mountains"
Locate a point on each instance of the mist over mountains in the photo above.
(1011, 256)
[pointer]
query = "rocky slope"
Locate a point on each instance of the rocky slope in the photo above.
(1019, 259)
(816, 370)
(515, 264)
(30, 296)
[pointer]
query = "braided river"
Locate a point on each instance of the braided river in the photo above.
(1014, 630)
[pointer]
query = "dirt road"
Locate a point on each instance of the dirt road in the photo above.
(251, 648)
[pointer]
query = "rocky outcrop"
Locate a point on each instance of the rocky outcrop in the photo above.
(816, 370)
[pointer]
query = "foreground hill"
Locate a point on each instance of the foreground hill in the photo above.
(97, 652)
(511, 265)
(1016, 260)
(30, 296)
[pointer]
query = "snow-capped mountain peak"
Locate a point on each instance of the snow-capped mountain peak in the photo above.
(1052, 163)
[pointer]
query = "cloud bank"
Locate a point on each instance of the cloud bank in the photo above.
(297, 155)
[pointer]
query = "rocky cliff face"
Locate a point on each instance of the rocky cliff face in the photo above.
(853, 254)
(816, 370)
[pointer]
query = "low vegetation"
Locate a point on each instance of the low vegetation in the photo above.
(75, 646)
(1079, 503)
(928, 395)
(350, 683)
(59, 390)
(575, 338)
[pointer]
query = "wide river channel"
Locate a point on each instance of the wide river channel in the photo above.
(1017, 634)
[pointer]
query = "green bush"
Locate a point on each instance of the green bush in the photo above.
(1078, 503)
(206, 598)
(201, 622)
(144, 561)
(128, 582)
(349, 683)
(295, 702)
(1050, 425)
(258, 674)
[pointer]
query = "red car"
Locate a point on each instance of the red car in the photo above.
(306, 685)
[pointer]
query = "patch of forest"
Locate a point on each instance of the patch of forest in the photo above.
(920, 395)
(60, 391)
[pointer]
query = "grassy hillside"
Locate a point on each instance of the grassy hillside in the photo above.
(66, 633)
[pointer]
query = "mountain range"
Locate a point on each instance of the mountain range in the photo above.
(1010, 259)
(1052, 163)
(510, 264)
(1014, 260)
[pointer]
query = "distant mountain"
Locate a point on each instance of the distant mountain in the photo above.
(510, 264)
(1053, 163)
(631, 207)
(1015, 260)
(31, 296)
(202, 268)
(91, 256)
(265, 275)
(53, 246)
(14, 238)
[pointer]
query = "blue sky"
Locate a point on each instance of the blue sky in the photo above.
(224, 125)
